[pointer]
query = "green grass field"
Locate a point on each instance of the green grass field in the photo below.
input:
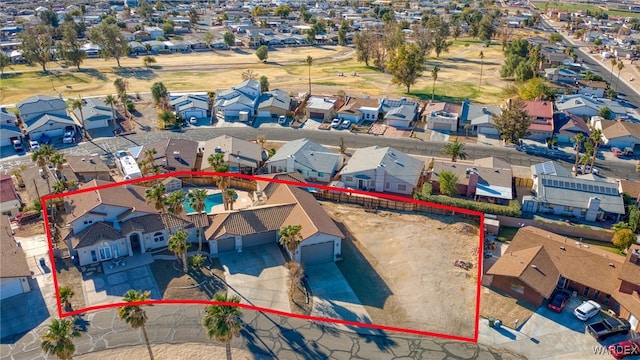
(564, 6)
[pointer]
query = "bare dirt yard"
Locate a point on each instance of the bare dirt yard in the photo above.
(400, 266)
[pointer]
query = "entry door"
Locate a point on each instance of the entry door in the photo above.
(360, 184)
(562, 283)
(105, 253)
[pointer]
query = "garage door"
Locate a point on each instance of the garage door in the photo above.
(441, 126)
(10, 287)
(264, 113)
(316, 115)
(228, 244)
(317, 254)
(258, 239)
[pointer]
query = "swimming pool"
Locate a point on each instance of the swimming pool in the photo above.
(209, 202)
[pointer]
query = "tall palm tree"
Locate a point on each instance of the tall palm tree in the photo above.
(149, 166)
(121, 86)
(613, 63)
(42, 157)
(58, 340)
(179, 246)
(223, 322)
(157, 195)
(620, 67)
(231, 197)
(596, 139)
(66, 293)
(261, 140)
(196, 201)
(434, 76)
(57, 161)
(481, 65)
(175, 202)
(455, 150)
(111, 101)
(216, 160)
(77, 105)
(578, 140)
(309, 62)
(290, 238)
(134, 315)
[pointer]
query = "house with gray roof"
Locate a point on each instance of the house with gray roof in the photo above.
(313, 161)
(96, 114)
(238, 103)
(583, 105)
(322, 108)
(274, 103)
(399, 113)
(382, 169)
(190, 105)
(492, 184)
(480, 118)
(14, 270)
(44, 115)
(241, 155)
(174, 154)
(8, 127)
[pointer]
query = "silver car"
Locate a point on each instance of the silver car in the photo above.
(587, 310)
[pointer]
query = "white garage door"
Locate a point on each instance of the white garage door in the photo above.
(317, 254)
(264, 113)
(228, 244)
(198, 114)
(10, 287)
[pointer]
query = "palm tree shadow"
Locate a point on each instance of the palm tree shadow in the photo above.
(80, 323)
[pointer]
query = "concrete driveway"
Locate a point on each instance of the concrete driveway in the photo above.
(332, 296)
(549, 336)
(107, 289)
(258, 276)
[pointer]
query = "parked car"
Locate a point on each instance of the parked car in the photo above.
(587, 310)
(25, 217)
(16, 142)
(69, 136)
(627, 151)
(193, 120)
(624, 348)
(617, 152)
(34, 145)
(282, 119)
(335, 123)
(346, 124)
(608, 327)
(585, 169)
(558, 301)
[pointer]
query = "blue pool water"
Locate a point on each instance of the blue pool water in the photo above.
(209, 202)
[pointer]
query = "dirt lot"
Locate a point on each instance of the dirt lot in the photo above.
(401, 267)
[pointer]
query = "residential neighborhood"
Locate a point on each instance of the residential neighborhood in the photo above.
(375, 172)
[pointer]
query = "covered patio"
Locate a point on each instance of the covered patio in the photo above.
(126, 263)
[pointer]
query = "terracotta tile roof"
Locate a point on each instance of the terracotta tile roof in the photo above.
(13, 262)
(7, 189)
(533, 266)
(539, 109)
(93, 234)
(269, 186)
(630, 271)
(154, 222)
(249, 221)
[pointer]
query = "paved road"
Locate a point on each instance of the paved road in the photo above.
(611, 167)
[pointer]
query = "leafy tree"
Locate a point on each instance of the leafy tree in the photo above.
(145, 10)
(514, 121)
(342, 33)
(406, 65)
(262, 53)
(36, 44)
(49, 18)
(309, 61)
(159, 94)
(577, 140)
(624, 238)
(306, 15)
(148, 60)
(208, 38)
(283, 11)
(556, 37)
(434, 76)
(486, 30)
(634, 218)
(523, 71)
(290, 238)
(249, 75)
(223, 322)
(111, 41)
(448, 183)
(5, 61)
(440, 33)
(605, 112)
(229, 38)
(259, 11)
(589, 75)
(264, 84)
(58, 339)
(134, 315)
(423, 38)
(66, 293)
(69, 47)
(168, 27)
(455, 150)
(261, 140)
(362, 41)
(179, 246)
(611, 94)
(536, 88)
(196, 199)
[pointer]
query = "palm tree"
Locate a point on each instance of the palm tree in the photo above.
(134, 315)
(156, 195)
(58, 340)
(309, 62)
(290, 238)
(596, 138)
(148, 164)
(481, 65)
(57, 161)
(261, 140)
(121, 86)
(77, 105)
(620, 67)
(434, 76)
(111, 101)
(455, 150)
(196, 201)
(66, 293)
(613, 63)
(231, 197)
(179, 246)
(223, 322)
(175, 202)
(578, 140)
(216, 160)
(42, 157)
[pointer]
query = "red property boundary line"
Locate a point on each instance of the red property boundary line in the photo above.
(480, 215)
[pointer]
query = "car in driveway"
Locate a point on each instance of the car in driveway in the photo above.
(608, 327)
(345, 124)
(34, 145)
(558, 301)
(69, 135)
(587, 310)
(335, 123)
(625, 348)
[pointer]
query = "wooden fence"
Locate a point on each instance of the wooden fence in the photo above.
(234, 183)
(522, 182)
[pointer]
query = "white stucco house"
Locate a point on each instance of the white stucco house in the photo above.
(238, 103)
(313, 161)
(14, 270)
(190, 105)
(96, 114)
(44, 115)
(382, 169)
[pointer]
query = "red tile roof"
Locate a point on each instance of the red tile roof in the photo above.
(539, 109)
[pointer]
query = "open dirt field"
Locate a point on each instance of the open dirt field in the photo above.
(413, 257)
(458, 78)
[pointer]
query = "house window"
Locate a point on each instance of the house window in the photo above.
(158, 237)
(517, 288)
(402, 187)
(88, 222)
(607, 299)
(348, 178)
(586, 291)
(596, 294)
(94, 256)
(321, 174)
(387, 185)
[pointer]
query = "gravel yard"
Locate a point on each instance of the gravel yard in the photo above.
(401, 267)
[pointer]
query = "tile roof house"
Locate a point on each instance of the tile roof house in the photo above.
(618, 134)
(190, 105)
(174, 154)
(568, 125)
(117, 221)
(44, 114)
(285, 205)
(88, 168)
(542, 113)
(538, 261)
(482, 183)
(10, 202)
(313, 161)
(238, 103)
(382, 169)
(14, 270)
(358, 110)
(241, 155)
(95, 112)
(274, 103)
(8, 127)
(480, 118)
